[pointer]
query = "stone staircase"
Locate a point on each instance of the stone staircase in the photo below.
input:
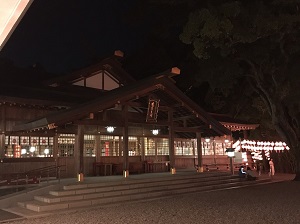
(78, 195)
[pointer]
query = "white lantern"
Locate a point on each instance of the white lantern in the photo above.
(155, 131)
(110, 129)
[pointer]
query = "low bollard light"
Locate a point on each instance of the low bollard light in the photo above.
(200, 169)
(80, 177)
(173, 171)
(125, 173)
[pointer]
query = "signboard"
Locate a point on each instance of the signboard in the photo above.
(153, 105)
(230, 152)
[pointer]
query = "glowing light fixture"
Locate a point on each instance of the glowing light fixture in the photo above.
(23, 151)
(155, 131)
(46, 151)
(32, 149)
(110, 129)
(207, 139)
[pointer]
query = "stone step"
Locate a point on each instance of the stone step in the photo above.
(131, 189)
(84, 200)
(139, 181)
(132, 184)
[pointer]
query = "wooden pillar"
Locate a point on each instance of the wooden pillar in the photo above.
(55, 147)
(199, 152)
(171, 143)
(98, 148)
(2, 145)
(2, 131)
(125, 142)
(155, 148)
(214, 150)
(78, 152)
(120, 149)
(142, 146)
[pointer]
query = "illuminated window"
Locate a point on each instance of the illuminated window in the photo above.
(66, 143)
(149, 146)
(109, 145)
(89, 145)
(163, 146)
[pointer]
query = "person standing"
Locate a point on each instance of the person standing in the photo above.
(272, 168)
(242, 172)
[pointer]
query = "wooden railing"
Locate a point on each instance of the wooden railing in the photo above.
(32, 176)
(210, 167)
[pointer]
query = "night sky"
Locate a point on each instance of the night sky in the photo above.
(64, 35)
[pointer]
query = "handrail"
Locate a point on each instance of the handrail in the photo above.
(32, 176)
(217, 166)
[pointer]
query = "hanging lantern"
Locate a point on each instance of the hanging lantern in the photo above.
(110, 129)
(155, 131)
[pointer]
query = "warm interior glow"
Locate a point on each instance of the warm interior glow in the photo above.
(46, 151)
(11, 12)
(32, 149)
(23, 151)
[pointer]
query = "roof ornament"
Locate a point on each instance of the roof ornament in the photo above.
(119, 53)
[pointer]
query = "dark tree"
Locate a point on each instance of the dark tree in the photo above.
(257, 42)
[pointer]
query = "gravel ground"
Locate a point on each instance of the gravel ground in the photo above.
(270, 203)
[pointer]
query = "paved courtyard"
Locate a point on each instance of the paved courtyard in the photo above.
(269, 203)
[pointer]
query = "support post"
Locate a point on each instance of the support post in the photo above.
(98, 148)
(171, 143)
(125, 142)
(2, 131)
(78, 154)
(199, 152)
(55, 147)
(231, 166)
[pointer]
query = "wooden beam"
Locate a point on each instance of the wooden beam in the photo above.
(158, 123)
(165, 108)
(183, 117)
(119, 123)
(187, 129)
(137, 104)
(99, 122)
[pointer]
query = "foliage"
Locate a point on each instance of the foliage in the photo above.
(258, 42)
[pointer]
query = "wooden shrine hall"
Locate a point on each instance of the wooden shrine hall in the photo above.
(101, 121)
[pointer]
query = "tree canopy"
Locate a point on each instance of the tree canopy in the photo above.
(254, 45)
